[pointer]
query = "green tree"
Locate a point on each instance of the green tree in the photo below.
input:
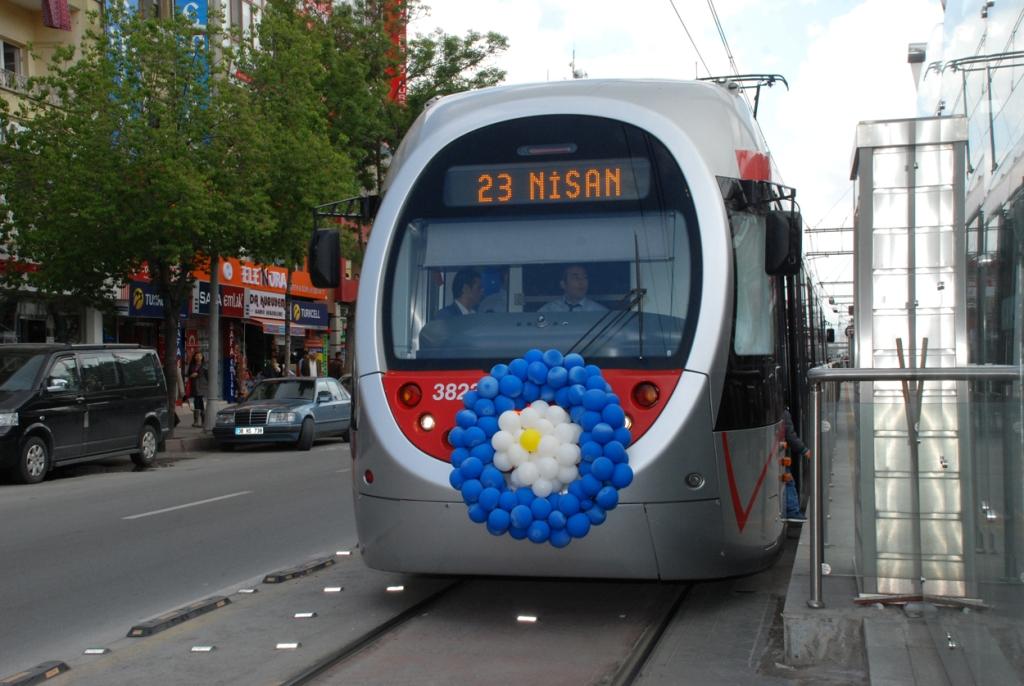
(141, 165)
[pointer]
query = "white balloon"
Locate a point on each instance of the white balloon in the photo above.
(513, 479)
(547, 447)
(547, 468)
(541, 406)
(509, 421)
(566, 475)
(579, 430)
(557, 415)
(542, 488)
(545, 427)
(528, 473)
(502, 461)
(565, 433)
(528, 418)
(566, 455)
(502, 441)
(517, 455)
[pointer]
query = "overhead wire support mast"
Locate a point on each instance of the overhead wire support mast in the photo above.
(746, 81)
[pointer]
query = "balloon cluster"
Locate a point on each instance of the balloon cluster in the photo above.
(540, 448)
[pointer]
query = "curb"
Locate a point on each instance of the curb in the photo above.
(38, 674)
(300, 570)
(175, 617)
(192, 444)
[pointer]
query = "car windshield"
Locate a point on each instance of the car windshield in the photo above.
(284, 390)
(18, 371)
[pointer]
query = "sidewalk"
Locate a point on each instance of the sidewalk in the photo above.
(186, 438)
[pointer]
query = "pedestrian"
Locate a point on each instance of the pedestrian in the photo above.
(336, 367)
(272, 369)
(308, 364)
(797, 450)
(199, 379)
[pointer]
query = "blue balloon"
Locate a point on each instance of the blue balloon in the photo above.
(456, 479)
(459, 456)
(622, 476)
(553, 358)
(510, 385)
(498, 521)
(547, 394)
(539, 531)
(469, 400)
(593, 370)
(471, 467)
(623, 436)
(584, 468)
(594, 400)
(588, 421)
(590, 451)
(553, 500)
(477, 514)
(556, 520)
(578, 525)
(534, 355)
(518, 367)
(465, 418)
(499, 370)
(471, 489)
(537, 373)
(531, 392)
(483, 452)
(602, 433)
(562, 397)
(591, 485)
(607, 498)
(503, 404)
(557, 377)
(473, 437)
(596, 383)
(457, 437)
(573, 360)
(524, 496)
(520, 402)
(615, 452)
(577, 375)
(602, 469)
(522, 516)
(484, 407)
(584, 438)
(576, 392)
(576, 488)
(576, 413)
(541, 508)
(518, 534)
(487, 387)
(488, 498)
(569, 504)
(612, 399)
(489, 426)
(491, 477)
(586, 504)
(560, 538)
(596, 515)
(507, 501)
(613, 415)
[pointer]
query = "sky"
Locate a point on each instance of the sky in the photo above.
(845, 61)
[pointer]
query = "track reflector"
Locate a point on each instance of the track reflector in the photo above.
(526, 619)
(202, 649)
(95, 651)
(248, 590)
(343, 553)
(395, 589)
(304, 615)
(288, 646)
(333, 589)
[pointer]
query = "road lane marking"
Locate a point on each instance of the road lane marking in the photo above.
(181, 507)
(339, 471)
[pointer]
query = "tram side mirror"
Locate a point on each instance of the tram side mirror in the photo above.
(325, 258)
(782, 245)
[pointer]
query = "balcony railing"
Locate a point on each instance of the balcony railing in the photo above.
(14, 82)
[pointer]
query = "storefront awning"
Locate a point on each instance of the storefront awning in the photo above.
(276, 326)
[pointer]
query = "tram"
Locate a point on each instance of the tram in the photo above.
(663, 195)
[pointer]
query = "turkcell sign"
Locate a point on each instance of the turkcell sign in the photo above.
(264, 304)
(144, 301)
(309, 314)
(232, 300)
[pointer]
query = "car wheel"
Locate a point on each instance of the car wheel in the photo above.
(306, 434)
(33, 462)
(148, 442)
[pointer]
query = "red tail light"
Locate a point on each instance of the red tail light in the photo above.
(646, 394)
(410, 395)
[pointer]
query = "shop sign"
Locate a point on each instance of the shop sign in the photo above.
(309, 314)
(232, 300)
(264, 304)
(144, 301)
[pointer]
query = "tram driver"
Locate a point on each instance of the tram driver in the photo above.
(467, 290)
(574, 285)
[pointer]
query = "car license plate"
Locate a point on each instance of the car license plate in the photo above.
(248, 430)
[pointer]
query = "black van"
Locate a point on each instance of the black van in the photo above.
(61, 404)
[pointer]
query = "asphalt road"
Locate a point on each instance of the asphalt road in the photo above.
(99, 547)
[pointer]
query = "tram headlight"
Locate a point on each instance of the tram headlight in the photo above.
(410, 395)
(427, 422)
(629, 422)
(646, 394)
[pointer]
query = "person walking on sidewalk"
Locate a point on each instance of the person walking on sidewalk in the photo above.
(199, 379)
(797, 451)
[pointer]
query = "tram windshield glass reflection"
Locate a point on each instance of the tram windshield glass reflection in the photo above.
(611, 278)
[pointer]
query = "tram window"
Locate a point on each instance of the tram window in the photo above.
(755, 306)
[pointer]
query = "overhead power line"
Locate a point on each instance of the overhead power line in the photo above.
(692, 42)
(721, 34)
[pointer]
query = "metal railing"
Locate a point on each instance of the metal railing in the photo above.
(820, 376)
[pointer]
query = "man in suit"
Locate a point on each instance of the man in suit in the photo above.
(574, 285)
(467, 291)
(307, 366)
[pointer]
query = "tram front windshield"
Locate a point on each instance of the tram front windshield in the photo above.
(568, 232)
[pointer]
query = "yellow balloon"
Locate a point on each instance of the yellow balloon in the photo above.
(530, 439)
